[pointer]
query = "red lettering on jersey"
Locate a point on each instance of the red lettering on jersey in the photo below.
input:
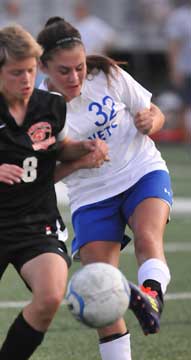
(43, 145)
(40, 134)
(40, 131)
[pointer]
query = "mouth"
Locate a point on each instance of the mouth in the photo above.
(74, 87)
(26, 90)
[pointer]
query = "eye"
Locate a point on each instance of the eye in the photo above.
(63, 70)
(16, 73)
(31, 70)
(80, 67)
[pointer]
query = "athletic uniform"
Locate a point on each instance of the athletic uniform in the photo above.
(30, 223)
(102, 199)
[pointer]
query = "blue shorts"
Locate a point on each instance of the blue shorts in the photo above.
(106, 220)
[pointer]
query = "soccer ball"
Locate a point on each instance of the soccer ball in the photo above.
(98, 295)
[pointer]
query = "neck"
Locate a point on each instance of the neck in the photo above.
(52, 88)
(17, 108)
(14, 102)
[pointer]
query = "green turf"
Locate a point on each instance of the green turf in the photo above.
(178, 159)
(69, 340)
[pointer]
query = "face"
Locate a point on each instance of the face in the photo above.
(17, 79)
(67, 71)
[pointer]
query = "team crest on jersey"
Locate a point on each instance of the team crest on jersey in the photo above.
(41, 135)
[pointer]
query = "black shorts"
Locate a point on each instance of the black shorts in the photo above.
(19, 256)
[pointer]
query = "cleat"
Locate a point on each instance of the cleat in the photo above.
(147, 307)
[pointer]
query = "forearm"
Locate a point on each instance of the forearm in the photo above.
(73, 150)
(91, 160)
(65, 168)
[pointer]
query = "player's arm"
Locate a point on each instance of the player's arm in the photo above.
(149, 121)
(66, 168)
(70, 149)
(10, 174)
(93, 159)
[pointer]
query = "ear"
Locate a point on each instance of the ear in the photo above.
(42, 67)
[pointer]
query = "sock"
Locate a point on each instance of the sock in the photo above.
(154, 269)
(21, 341)
(118, 348)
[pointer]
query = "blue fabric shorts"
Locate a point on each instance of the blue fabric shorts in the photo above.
(106, 220)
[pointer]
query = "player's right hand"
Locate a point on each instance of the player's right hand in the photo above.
(10, 174)
(101, 150)
(95, 158)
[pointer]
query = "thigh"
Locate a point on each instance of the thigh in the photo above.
(98, 222)
(155, 185)
(45, 274)
(150, 217)
(100, 251)
(32, 249)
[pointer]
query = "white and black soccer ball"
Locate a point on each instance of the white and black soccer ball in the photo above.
(98, 295)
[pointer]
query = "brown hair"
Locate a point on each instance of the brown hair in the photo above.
(17, 43)
(58, 34)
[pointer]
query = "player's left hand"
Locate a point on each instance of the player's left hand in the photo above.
(144, 120)
(149, 121)
(98, 147)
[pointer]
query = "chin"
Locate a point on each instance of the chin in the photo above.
(76, 93)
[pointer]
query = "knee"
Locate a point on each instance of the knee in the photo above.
(47, 304)
(144, 240)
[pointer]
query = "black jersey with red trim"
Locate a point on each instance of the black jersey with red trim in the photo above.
(32, 146)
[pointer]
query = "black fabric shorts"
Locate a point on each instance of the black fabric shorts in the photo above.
(19, 256)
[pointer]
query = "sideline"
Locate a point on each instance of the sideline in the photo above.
(21, 304)
(169, 248)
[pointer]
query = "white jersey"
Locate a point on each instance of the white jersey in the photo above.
(106, 111)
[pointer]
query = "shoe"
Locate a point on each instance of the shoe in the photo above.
(147, 307)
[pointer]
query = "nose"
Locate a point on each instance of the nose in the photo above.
(25, 77)
(73, 78)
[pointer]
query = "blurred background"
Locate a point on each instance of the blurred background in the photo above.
(154, 38)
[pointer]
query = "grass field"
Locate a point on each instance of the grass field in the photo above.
(69, 340)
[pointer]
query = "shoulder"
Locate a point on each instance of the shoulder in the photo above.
(51, 104)
(45, 98)
(43, 93)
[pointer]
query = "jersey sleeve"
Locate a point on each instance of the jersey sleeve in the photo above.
(131, 93)
(63, 133)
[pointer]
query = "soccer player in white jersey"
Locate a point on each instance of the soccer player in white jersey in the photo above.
(105, 102)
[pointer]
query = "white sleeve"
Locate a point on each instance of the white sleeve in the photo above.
(132, 94)
(63, 133)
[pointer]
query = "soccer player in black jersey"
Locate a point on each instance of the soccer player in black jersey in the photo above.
(32, 138)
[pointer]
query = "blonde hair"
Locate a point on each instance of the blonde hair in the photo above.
(16, 43)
